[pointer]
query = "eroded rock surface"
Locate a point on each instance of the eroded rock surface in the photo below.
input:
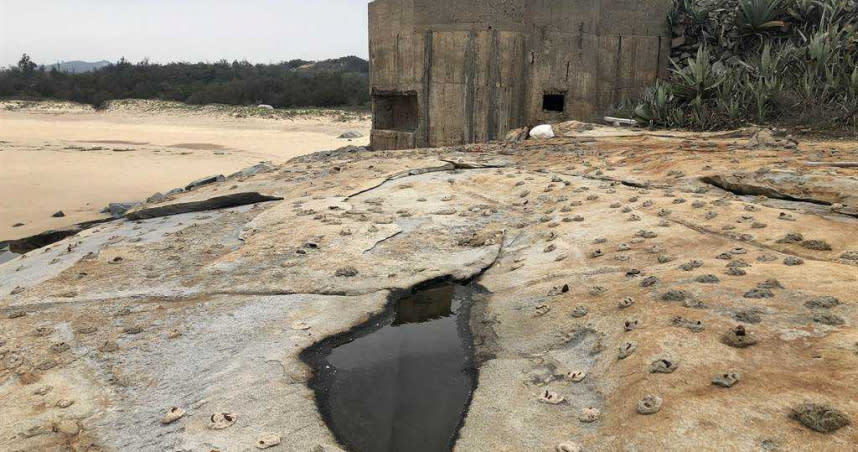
(604, 258)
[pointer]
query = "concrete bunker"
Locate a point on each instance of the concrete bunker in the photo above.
(395, 111)
(465, 72)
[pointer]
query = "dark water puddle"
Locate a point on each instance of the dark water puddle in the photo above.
(403, 382)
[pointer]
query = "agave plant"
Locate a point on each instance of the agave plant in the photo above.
(698, 78)
(805, 11)
(821, 48)
(654, 104)
(852, 88)
(758, 16)
(806, 73)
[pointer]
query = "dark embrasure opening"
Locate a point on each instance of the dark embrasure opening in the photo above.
(554, 102)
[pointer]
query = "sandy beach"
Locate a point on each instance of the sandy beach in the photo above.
(70, 158)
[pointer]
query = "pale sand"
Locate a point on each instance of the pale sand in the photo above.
(41, 172)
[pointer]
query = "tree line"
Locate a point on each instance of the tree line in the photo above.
(295, 83)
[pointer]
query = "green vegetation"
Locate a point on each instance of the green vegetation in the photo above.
(293, 84)
(785, 62)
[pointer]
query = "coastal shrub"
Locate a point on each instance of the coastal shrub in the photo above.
(735, 62)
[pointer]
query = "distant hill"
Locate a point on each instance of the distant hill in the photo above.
(78, 67)
(344, 64)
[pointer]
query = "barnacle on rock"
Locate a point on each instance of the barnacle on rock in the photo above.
(650, 404)
(726, 380)
(820, 418)
(738, 337)
(551, 398)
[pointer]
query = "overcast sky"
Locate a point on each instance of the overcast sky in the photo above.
(260, 31)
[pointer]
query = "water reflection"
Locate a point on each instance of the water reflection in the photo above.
(406, 386)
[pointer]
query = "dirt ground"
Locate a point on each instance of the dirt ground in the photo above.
(642, 292)
(70, 158)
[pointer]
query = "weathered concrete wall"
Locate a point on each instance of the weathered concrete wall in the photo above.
(481, 68)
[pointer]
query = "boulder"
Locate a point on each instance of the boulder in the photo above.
(205, 181)
(261, 167)
(542, 132)
(349, 135)
(156, 198)
(118, 209)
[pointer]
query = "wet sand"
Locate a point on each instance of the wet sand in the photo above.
(77, 161)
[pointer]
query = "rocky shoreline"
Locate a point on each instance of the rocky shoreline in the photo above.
(631, 304)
